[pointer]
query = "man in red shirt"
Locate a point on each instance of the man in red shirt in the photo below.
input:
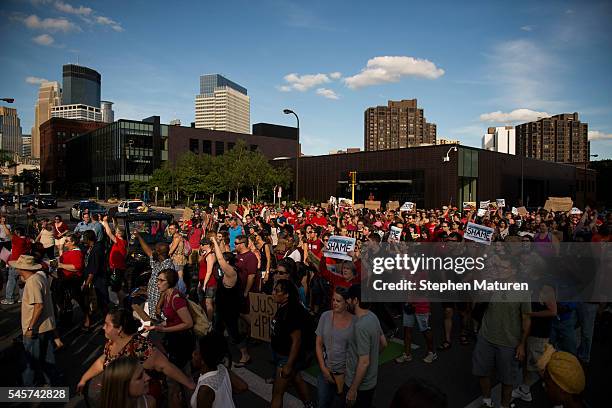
(20, 246)
(70, 271)
(246, 263)
(319, 219)
(315, 245)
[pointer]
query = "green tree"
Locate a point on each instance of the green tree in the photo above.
(137, 187)
(162, 179)
(234, 168)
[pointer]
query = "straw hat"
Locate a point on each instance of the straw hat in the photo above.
(25, 262)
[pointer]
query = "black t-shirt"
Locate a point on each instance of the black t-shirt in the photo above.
(286, 320)
(540, 326)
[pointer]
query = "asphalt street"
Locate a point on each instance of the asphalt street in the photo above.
(451, 372)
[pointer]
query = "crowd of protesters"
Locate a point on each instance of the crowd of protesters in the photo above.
(216, 258)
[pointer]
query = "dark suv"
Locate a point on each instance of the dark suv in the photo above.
(45, 200)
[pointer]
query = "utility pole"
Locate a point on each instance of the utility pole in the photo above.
(353, 182)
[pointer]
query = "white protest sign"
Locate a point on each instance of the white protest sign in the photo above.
(575, 211)
(345, 202)
(485, 204)
(394, 234)
(407, 206)
(478, 233)
(338, 247)
(514, 211)
(501, 202)
(481, 212)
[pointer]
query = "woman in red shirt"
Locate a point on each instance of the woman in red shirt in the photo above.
(60, 229)
(116, 261)
(70, 273)
(178, 338)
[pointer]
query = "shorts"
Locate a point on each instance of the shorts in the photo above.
(280, 361)
(417, 319)
(535, 349)
(488, 357)
(209, 293)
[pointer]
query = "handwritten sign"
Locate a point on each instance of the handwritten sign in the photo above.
(372, 205)
(394, 234)
(558, 204)
(501, 202)
(479, 233)
(481, 212)
(338, 247)
(573, 211)
(263, 308)
(393, 205)
(514, 211)
(359, 206)
(485, 204)
(407, 206)
(522, 211)
(469, 205)
(345, 202)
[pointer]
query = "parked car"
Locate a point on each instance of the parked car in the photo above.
(45, 200)
(76, 211)
(7, 199)
(27, 199)
(130, 206)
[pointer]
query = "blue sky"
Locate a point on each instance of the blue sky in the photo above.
(470, 64)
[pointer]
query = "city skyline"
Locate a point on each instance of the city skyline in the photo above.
(467, 69)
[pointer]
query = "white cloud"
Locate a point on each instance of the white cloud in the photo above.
(43, 39)
(32, 80)
(335, 75)
(305, 82)
(67, 8)
(517, 115)
(597, 135)
(527, 28)
(284, 88)
(327, 93)
(50, 24)
(107, 21)
(385, 69)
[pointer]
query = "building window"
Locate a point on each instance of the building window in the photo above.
(219, 148)
(230, 145)
(206, 147)
(194, 146)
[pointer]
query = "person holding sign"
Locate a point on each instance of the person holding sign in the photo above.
(286, 340)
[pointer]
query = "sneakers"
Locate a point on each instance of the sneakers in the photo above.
(7, 302)
(404, 358)
(430, 357)
(519, 393)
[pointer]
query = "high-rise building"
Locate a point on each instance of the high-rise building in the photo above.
(397, 125)
(108, 116)
(10, 130)
(26, 145)
(77, 112)
(501, 139)
(49, 95)
(81, 86)
(222, 105)
(560, 138)
(444, 141)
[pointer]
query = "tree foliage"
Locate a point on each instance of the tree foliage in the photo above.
(30, 179)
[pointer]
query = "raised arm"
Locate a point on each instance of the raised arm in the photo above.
(108, 230)
(145, 247)
(229, 272)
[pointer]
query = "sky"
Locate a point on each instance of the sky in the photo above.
(470, 64)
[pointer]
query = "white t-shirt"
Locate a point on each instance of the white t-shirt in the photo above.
(219, 382)
(3, 236)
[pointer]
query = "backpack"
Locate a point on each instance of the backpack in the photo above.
(201, 325)
(186, 247)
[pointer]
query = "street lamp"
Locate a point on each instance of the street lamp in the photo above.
(8, 100)
(447, 158)
(584, 188)
(297, 157)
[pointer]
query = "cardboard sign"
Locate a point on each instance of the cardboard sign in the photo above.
(232, 208)
(332, 200)
(481, 212)
(324, 206)
(484, 204)
(394, 234)
(187, 214)
(338, 247)
(345, 202)
(393, 205)
(522, 211)
(263, 308)
(558, 204)
(407, 206)
(479, 233)
(469, 205)
(372, 205)
(501, 202)
(359, 206)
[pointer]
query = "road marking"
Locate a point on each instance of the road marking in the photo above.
(258, 386)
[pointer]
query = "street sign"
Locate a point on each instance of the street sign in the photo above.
(279, 194)
(156, 189)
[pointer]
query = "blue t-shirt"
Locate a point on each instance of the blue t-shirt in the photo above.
(233, 233)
